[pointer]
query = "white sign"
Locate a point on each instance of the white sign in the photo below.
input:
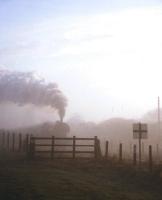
(140, 131)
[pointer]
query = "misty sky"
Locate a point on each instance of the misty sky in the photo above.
(106, 56)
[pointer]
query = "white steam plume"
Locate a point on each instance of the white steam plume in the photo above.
(23, 88)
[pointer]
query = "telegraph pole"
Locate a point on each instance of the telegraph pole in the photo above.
(158, 136)
(159, 117)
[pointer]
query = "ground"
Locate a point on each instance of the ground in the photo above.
(76, 180)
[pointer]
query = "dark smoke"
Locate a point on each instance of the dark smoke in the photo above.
(23, 88)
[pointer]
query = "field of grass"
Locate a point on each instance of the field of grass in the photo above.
(75, 180)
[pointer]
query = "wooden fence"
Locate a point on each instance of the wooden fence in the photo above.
(54, 147)
(70, 147)
(135, 161)
(14, 142)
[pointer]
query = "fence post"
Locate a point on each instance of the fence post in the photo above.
(99, 149)
(106, 149)
(32, 147)
(150, 158)
(20, 142)
(143, 149)
(134, 155)
(3, 139)
(13, 142)
(95, 147)
(74, 143)
(158, 157)
(52, 147)
(0, 139)
(27, 143)
(8, 141)
(120, 152)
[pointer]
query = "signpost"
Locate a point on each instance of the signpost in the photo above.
(140, 132)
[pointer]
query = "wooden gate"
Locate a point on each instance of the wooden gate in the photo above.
(70, 147)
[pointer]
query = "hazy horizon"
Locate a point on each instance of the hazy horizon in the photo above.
(105, 56)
